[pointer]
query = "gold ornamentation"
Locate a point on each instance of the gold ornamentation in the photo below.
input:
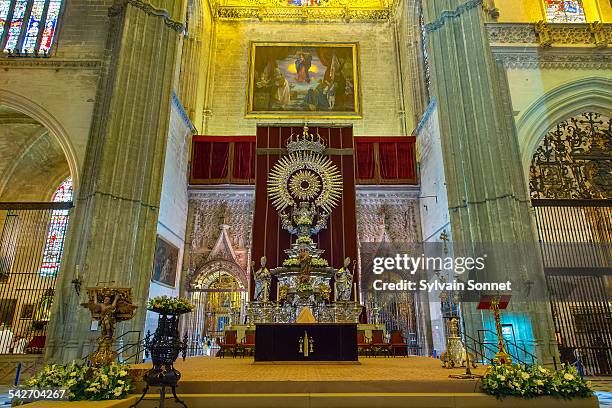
(108, 306)
(280, 10)
(543, 32)
(287, 166)
(304, 184)
(502, 356)
(306, 345)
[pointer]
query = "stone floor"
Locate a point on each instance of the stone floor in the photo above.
(380, 369)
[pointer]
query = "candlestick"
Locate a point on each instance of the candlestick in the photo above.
(278, 292)
(355, 291)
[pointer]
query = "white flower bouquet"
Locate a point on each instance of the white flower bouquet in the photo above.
(170, 305)
(534, 381)
(83, 382)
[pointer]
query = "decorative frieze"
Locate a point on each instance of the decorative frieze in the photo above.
(553, 46)
(48, 62)
(549, 34)
(302, 13)
(564, 58)
(388, 214)
(212, 210)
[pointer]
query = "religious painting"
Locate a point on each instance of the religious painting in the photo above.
(166, 263)
(304, 80)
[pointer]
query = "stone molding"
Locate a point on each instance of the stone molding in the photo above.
(149, 9)
(551, 46)
(559, 58)
(549, 34)
(310, 14)
(450, 14)
(53, 63)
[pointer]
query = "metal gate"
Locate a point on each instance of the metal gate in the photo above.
(576, 241)
(31, 243)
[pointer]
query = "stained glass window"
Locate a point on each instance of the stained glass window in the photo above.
(28, 26)
(5, 5)
(52, 253)
(564, 11)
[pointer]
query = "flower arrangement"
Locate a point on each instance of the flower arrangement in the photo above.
(319, 262)
(534, 381)
(170, 305)
(291, 262)
(83, 382)
(304, 240)
(316, 262)
(304, 287)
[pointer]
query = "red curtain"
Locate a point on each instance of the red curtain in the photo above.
(219, 160)
(365, 160)
(244, 160)
(339, 240)
(396, 160)
(216, 160)
(201, 161)
(406, 166)
(388, 160)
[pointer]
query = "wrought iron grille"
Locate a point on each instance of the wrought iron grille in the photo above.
(26, 289)
(574, 161)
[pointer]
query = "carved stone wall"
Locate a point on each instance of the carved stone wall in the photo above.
(387, 214)
(209, 211)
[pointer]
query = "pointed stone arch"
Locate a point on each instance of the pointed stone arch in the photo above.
(56, 129)
(573, 98)
(220, 260)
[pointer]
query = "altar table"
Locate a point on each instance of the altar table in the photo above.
(287, 342)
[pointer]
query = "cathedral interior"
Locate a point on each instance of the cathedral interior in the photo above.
(256, 157)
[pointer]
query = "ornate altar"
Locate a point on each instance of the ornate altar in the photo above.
(108, 306)
(304, 186)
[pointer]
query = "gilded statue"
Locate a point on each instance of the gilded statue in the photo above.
(106, 312)
(263, 281)
(108, 306)
(305, 265)
(344, 282)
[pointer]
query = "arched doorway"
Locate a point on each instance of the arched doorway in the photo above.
(570, 183)
(219, 292)
(36, 193)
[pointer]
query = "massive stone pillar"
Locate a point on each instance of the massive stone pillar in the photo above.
(487, 197)
(113, 227)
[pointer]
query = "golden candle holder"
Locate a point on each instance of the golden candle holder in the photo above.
(108, 306)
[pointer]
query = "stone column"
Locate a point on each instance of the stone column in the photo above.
(114, 222)
(487, 197)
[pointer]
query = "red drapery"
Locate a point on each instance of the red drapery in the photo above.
(339, 240)
(385, 160)
(223, 160)
(231, 159)
(244, 160)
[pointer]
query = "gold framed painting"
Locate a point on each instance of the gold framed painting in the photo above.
(304, 80)
(165, 264)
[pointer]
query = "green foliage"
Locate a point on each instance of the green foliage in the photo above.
(85, 383)
(534, 381)
(304, 240)
(291, 262)
(320, 262)
(170, 305)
